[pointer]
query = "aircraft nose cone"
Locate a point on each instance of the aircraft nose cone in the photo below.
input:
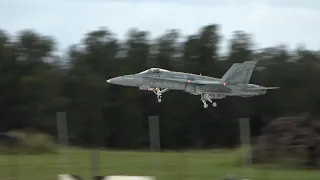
(121, 80)
(115, 80)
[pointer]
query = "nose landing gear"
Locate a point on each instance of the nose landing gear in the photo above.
(158, 92)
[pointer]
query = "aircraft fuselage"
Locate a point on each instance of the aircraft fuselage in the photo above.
(233, 83)
(184, 82)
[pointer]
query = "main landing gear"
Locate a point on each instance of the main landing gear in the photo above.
(158, 92)
(205, 98)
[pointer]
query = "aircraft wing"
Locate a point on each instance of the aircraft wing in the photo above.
(167, 78)
(262, 88)
(202, 82)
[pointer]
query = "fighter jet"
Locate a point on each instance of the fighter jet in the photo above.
(235, 82)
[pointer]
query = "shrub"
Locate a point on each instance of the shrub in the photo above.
(290, 141)
(30, 143)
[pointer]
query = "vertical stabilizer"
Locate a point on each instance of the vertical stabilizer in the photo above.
(239, 72)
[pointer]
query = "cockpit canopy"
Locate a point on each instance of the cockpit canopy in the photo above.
(153, 71)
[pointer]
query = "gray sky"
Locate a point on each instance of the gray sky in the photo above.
(270, 21)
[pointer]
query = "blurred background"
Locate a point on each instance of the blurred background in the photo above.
(57, 56)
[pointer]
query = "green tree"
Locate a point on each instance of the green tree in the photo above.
(35, 83)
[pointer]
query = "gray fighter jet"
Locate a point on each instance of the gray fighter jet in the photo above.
(235, 82)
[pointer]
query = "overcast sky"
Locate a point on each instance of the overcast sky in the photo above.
(270, 21)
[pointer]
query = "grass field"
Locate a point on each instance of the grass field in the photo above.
(191, 165)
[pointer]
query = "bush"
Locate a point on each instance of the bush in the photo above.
(30, 143)
(290, 141)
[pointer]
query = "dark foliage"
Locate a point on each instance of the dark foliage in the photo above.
(291, 140)
(35, 83)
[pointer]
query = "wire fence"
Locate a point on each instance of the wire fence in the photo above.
(178, 165)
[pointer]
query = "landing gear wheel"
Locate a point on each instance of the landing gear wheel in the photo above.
(214, 104)
(205, 105)
(158, 92)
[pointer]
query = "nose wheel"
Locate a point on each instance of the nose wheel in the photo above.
(158, 92)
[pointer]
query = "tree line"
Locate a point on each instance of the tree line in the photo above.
(35, 83)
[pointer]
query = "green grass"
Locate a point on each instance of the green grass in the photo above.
(191, 165)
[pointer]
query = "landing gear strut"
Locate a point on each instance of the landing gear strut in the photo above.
(158, 92)
(205, 98)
